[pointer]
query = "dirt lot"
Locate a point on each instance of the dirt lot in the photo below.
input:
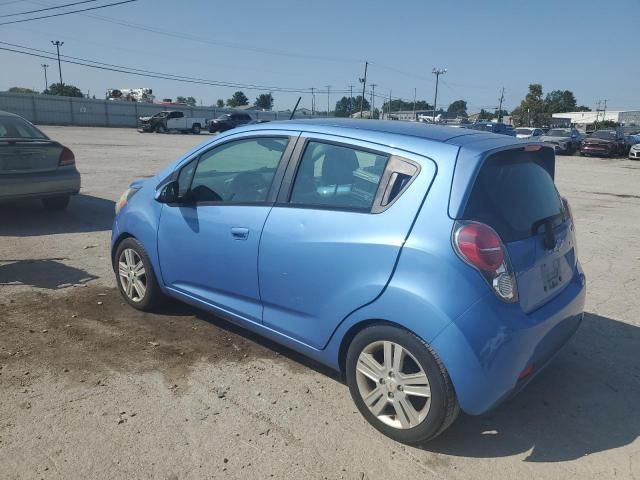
(90, 388)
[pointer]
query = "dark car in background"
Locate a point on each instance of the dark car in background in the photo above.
(228, 121)
(563, 140)
(493, 127)
(34, 166)
(608, 143)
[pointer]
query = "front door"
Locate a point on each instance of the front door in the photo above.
(208, 243)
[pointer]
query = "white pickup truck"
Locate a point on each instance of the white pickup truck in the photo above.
(165, 121)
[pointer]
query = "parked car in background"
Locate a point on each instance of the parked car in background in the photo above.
(609, 143)
(634, 152)
(525, 132)
(227, 121)
(493, 127)
(168, 120)
(564, 140)
(34, 166)
(316, 234)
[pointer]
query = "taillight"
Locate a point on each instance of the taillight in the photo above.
(66, 157)
(481, 247)
(568, 214)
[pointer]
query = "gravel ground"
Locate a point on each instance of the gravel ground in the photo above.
(90, 388)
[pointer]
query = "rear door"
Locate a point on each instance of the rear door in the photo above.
(330, 244)
(25, 149)
(514, 193)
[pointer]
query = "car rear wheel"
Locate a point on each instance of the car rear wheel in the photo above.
(399, 384)
(135, 277)
(160, 128)
(196, 129)
(56, 203)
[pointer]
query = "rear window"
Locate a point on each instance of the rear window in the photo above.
(513, 192)
(16, 127)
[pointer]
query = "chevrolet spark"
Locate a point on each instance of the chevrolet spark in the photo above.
(434, 267)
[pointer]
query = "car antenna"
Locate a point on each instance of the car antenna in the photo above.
(295, 108)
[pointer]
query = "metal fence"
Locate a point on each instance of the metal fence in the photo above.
(55, 110)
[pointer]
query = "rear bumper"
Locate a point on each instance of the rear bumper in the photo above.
(18, 186)
(489, 346)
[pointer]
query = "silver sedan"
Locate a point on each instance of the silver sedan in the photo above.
(34, 166)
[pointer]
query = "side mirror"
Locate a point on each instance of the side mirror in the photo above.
(169, 192)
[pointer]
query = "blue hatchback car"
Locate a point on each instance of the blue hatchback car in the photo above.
(435, 267)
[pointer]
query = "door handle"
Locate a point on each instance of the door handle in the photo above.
(240, 233)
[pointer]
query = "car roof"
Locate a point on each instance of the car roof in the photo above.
(369, 129)
(8, 114)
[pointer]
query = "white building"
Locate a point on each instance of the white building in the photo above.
(624, 117)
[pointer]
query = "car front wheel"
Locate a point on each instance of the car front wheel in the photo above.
(399, 384)
(134, 273)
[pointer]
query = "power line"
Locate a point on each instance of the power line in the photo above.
(68, 13)
(152, 74)
(48, 8)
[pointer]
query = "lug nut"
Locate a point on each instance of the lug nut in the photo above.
(390, 394)
(391, 373)
(399, 388)
(382, 381)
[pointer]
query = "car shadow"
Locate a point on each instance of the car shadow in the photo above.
(585, 402)
(49, 273)
(85, 213)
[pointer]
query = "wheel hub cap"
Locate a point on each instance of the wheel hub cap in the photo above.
(132, 275)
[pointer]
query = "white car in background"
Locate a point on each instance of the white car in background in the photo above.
(634, 153)
(525, 132)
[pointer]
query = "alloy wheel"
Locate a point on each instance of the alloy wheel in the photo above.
(393, 384)
(132, 275)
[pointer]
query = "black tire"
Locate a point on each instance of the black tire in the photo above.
(160, 128)
(444, 407)
(153, 296)
(56, 203)
(195, 129)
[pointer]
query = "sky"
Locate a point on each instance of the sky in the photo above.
(588, 46)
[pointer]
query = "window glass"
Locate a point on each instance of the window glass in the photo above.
(336, 176)
(240, 171)
(184, 179)
(15, 127)
(512, 192)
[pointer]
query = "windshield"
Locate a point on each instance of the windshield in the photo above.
(483, 126)
(559, 132)
(160, 115)
(604, 134)
(224, 116)
(524, 131)
(16, 127)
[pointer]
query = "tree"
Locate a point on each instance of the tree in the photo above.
(582, 108)
(486, 115)
(559, 101)
(66, 90)
(345, 107)
(188, 100)
(399, 105)
(459, 107)
(220, 103)
(531, 110)
(264, 101)
(22, 90)
(238, 99)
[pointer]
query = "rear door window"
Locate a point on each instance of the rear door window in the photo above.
(337, 176)
(513, 192)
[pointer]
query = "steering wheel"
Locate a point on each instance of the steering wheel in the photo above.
(248, 187)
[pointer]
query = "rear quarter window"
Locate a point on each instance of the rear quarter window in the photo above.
(513, 190)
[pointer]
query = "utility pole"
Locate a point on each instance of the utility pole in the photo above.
(373, 99)
(350, 99)
(46, 82)
(313, 102)
(598, 112)
(414, 103)
(58, 44)
(500, 105)
(437, 72)
(604, 111)
(328, 95)
(364, 86)
(389, 113)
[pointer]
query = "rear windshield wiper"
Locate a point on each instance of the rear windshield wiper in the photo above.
(549, 235)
